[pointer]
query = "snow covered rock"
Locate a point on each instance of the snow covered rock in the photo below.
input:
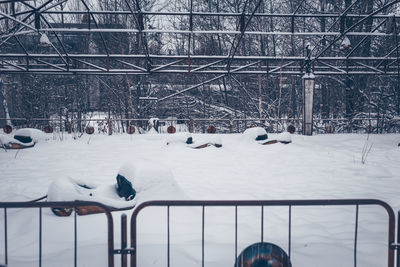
(27, 135)
(255, 133)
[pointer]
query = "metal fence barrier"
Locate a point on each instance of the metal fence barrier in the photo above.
(391, 246)
(74, 205)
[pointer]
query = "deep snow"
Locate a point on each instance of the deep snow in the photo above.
(322, 166)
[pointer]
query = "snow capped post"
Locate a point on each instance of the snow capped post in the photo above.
(308, 95)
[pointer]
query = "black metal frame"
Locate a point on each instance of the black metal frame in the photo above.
(58, 60)
(65, 62)
(391, 246)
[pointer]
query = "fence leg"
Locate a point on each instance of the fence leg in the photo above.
(124, 258)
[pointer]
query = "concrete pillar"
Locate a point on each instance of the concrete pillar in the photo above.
(308, 101)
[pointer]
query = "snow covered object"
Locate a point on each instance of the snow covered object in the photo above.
(7, 142)
(68, 189)
(153, 125)
(284, 138)
(151, 181)
(28, 135)
(136, 182)
(346, 44)
(256, 133)
(263, 254)
(206, 141)
(179, 138)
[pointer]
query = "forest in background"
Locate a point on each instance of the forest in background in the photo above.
(234, 96)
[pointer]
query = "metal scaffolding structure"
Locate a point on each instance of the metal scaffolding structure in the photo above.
(19, 41)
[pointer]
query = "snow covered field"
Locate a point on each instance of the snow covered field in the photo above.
(316, 167)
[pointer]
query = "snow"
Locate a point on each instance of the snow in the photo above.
(68, 189)
(44, 40)
(6, 139)
(309, 76)
(214, 139)
(346, 44)
(35, 134)
(311, 167)
(179, 138)
(284, 137)
(254, 132)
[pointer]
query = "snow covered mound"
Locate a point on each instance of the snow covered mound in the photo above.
(206, 140)
(30, 134)
(5, 139)
(179, 138)
(7, 142)
(151, 181)
(255, 133)
(284, 137)
(68, 189)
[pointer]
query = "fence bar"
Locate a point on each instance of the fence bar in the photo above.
(355, 238)
(5, 236)
(65, 204)
(236, 234)
(40, 237)
(398, 239)
(202, 237)
(169, 237)
(281, 203)
(290, 229)
(75, 240)
(124, 242)
(262, 224)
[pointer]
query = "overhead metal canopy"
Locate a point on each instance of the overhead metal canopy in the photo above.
(22, 49)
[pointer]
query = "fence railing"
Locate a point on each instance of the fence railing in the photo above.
(273, 125)
(6, 206)
(261, 204)
(391, 245)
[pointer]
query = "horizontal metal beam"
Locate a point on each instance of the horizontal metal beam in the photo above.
(214, 14)
(222, 32)
(194, 57)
